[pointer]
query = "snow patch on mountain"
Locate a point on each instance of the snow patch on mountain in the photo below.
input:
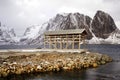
(31, 32)
(7, 36)
(43, 28)
(114, 38)
(65, 21)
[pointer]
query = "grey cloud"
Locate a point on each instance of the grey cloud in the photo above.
(20, 16)
(111, 1)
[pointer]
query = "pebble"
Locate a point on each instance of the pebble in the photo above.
(95, 65)
(65, 61)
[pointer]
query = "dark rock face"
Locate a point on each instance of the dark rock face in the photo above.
(103, 25)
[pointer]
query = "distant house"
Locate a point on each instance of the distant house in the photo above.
(64, 39)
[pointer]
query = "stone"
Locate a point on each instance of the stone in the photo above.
(103, 62)
(39, 67)
(18, 71)
(95, 65)
(69, 65)
(14, 63)
(64, 61)
(86, 65)
(66, 68)
(4, 74)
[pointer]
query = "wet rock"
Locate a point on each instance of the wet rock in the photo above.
(95, 65)
(66, 68)
(102, 62)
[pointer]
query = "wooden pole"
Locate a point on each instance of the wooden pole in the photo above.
(55, 43)
(50, 42)
(79, 40)
(84, 40)
(47, 41)
(73, 41)
(66, 41)
(60, 42)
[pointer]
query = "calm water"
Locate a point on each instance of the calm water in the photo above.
(110, 71)
(18, 46)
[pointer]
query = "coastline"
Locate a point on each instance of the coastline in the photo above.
(41, 60)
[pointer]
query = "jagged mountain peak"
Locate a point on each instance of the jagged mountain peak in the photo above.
(7, 35)
(12, 32)
(6, 32)
(69, 21)
(31, 31)
(100, 12)
(68, 14)
(61, 22)
(102, 24)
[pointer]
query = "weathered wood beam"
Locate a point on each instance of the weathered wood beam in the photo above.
(66, 41)
(79, 40)
(73, 41)
(60, 42)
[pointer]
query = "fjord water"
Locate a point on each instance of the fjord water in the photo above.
(110, 71)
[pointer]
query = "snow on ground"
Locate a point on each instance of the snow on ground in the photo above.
(94, 40)
(113, 39)
(43, 50)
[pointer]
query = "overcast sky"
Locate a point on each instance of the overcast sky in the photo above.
(20, 14)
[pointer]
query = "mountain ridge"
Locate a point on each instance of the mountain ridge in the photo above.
(7, 36)
(100, 29)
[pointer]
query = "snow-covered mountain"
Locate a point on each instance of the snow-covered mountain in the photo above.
(104, 29)
(7, 36)
(100, 29)
(114, 38)
(33, 32)
(59, 22)
(103, 25)
(69, 21)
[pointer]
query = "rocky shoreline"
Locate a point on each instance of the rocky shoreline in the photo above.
(50, 61)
